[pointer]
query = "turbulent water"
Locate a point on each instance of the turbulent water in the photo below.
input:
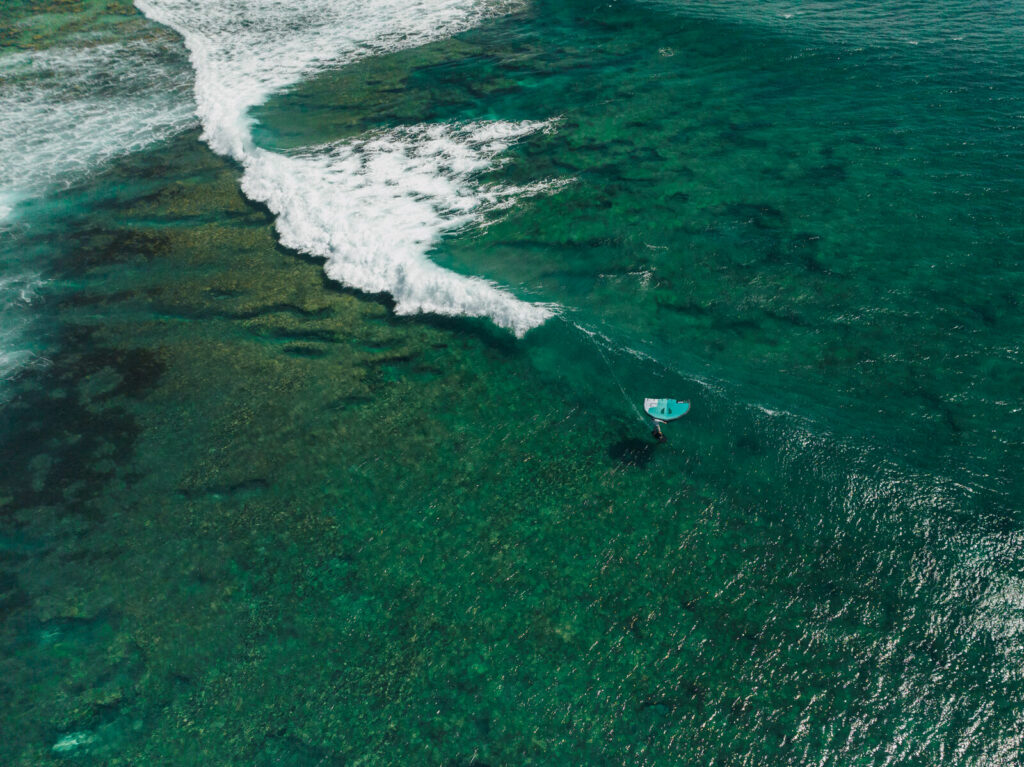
(341, 316)
(68, 107)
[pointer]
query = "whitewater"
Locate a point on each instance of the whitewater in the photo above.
(371, 208)
(65, 111)
(69, 109)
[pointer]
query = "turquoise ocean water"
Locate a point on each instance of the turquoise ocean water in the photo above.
(323, 333)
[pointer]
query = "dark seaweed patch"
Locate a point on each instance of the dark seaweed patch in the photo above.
(51, 456)
(306, 350)
(632, 452)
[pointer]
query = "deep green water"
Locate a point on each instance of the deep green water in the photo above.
(251, 516)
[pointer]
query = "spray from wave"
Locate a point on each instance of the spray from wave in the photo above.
(371, 208)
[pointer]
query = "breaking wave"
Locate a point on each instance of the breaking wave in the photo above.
(372, 207)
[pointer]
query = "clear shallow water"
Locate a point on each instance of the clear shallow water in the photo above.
(252, 517)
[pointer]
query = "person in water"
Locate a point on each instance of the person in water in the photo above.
(656, 432)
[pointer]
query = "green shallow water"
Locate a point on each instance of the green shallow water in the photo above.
(252, 517)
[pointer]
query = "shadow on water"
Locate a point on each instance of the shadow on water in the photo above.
(632, 452)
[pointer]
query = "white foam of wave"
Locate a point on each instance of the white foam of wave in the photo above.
(373, 207)
(65, 111)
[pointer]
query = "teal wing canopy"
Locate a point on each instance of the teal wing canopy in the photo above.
(666, 409)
